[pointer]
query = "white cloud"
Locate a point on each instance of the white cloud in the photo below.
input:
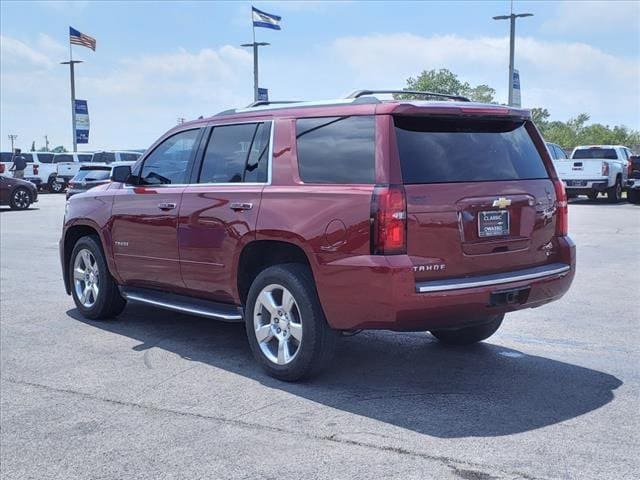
(15, 54)
(566, 78)
(594, 16)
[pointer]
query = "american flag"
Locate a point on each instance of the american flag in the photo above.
(78, 38)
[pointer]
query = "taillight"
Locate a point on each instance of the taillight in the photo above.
(1, 167)
(35, 169)
(605, 169)
(388, 220)
(562, 209)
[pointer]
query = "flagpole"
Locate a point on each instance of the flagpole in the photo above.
(71, 64)
(255, 61)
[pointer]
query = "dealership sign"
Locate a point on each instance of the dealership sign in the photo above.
(82, 121)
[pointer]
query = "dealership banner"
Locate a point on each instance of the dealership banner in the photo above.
(82, 121)
(516, 89)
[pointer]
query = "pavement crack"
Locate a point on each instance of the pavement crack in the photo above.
(452, 463)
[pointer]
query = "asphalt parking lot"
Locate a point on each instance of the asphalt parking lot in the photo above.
(555, 394)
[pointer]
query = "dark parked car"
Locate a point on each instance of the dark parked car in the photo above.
(90, 176)
(18, 194)
(309, 220)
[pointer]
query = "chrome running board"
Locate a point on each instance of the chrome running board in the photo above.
(183, 304)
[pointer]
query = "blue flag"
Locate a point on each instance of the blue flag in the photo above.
(264, 19)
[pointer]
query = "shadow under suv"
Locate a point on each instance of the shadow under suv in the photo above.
(308, 220)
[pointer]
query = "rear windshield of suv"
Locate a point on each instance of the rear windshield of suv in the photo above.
(607, 153)
(93, 174)
(437, 150)
(336, 149)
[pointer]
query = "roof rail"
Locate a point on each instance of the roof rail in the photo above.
(361, 93)
(261, 103)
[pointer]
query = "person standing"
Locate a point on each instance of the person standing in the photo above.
(19, 164)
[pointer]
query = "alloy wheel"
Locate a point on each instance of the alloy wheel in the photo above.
(21, 198)
(278, 324)
(86, 278)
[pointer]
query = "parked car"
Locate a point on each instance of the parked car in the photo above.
(307, 220)
(595, 169)
(633, 190)
(69, 164)
(91, 176)
(32, 171)
(18, 194)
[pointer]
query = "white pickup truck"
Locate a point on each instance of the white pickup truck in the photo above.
(595, 169)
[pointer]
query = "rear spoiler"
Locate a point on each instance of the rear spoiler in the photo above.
(459, 109)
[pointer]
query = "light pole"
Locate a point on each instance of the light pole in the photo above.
(12, 137)
(255, 46)
(71, 63)
(512, 42)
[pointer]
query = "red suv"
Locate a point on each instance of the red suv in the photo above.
(310, 220)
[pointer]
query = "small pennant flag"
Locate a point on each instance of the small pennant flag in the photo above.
(77, 38)
(264, 19)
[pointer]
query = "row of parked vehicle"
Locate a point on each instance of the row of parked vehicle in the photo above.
(594, 169)
(54, 171)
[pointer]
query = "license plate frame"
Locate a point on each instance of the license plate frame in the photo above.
(493, 223)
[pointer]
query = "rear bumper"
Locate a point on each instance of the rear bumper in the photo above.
(576, 186)
(377, 292)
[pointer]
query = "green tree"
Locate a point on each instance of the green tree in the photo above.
(445, 81)
(33, 146)
(59, 149)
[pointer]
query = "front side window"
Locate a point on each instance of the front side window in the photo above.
(28, 157)
(168, 163)
(103, 157)
(84, 157)
(45, 157)
(236, 153)
(336, 149)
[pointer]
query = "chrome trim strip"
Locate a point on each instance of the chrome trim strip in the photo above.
(494, 279)
(178, 308)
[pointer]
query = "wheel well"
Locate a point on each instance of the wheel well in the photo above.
(262, 254)
(70, 239)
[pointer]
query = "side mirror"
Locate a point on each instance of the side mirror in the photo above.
(121, 173)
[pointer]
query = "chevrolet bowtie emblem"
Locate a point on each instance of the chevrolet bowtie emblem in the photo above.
(502, 202)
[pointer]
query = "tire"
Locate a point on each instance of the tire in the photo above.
(633, 196)
(614, 194)
(107, 301)
(296, 327)
(54, 186)
(469, 335)
(592, 195)
(20, 199)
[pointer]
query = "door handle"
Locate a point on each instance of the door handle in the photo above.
(166, 206)
(240, 206)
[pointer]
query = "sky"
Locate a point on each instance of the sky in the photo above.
(156, 62)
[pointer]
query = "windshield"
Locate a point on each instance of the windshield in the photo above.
(606, 153)
(92, 175)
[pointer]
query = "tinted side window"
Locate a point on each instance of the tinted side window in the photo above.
(168, 162)
(561, 153)
(129, 157)
(63, 157)
(103, 157)
(45, 157)
(84, 157)
(6, 156)
(257, 167)
(462, 150)
(228, 152)
(336, 149)
(28, 157)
